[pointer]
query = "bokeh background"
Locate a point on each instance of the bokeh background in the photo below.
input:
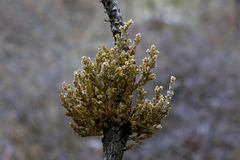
(42, 43)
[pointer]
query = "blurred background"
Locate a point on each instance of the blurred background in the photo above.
(42, 43)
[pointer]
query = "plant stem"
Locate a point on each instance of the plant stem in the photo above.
(115, 17)
(114, 141)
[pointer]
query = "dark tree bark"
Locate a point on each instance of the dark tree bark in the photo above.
(115, 17)
(114, 141)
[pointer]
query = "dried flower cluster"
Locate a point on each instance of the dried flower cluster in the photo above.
(92, 101)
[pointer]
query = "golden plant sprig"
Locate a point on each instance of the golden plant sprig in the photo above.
(92, 101)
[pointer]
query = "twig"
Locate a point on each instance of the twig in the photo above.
(115, 17)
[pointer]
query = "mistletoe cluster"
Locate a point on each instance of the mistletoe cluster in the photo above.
(93, 100)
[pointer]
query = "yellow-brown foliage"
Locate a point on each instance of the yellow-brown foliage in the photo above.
(92, 101)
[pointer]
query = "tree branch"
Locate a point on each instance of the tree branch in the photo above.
(114, 140)
(115, 17)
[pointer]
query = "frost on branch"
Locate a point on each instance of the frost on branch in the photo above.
(92, 100)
